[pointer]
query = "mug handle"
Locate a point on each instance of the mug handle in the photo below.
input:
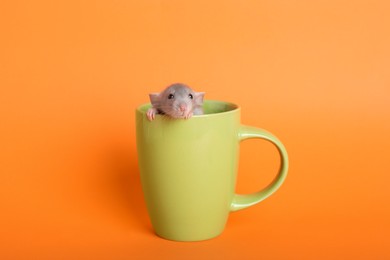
(244, 201)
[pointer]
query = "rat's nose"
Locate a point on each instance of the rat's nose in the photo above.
(182, 107)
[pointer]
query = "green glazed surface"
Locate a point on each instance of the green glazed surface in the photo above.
(188, 170)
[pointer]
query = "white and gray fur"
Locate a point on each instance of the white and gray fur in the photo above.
(177, 101)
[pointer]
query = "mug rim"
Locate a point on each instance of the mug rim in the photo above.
(234, 108)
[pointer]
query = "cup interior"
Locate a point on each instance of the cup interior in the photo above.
(214, 107)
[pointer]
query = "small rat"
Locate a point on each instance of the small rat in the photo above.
(176, 101)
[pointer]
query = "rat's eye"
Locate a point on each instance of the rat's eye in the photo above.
(191, 96)
(170, 96)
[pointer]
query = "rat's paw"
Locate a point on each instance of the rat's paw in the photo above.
(189, 115)
(151, 114)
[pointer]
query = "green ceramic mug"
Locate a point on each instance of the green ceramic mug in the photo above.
(188, 170)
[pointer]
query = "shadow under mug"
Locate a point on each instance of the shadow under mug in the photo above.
(188, 170)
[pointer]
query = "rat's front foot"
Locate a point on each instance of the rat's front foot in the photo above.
(189, 115)
(151, 113)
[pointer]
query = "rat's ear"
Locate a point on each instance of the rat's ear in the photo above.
(199, 98)
(154, 98)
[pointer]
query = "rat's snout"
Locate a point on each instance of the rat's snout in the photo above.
(182, 110)
(182, 107)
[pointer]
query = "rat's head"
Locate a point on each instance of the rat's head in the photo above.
(177, 101)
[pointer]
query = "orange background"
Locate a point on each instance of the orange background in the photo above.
(314, 73)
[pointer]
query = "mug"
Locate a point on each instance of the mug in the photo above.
(188, 170)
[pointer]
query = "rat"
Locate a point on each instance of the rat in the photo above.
(177, 101)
